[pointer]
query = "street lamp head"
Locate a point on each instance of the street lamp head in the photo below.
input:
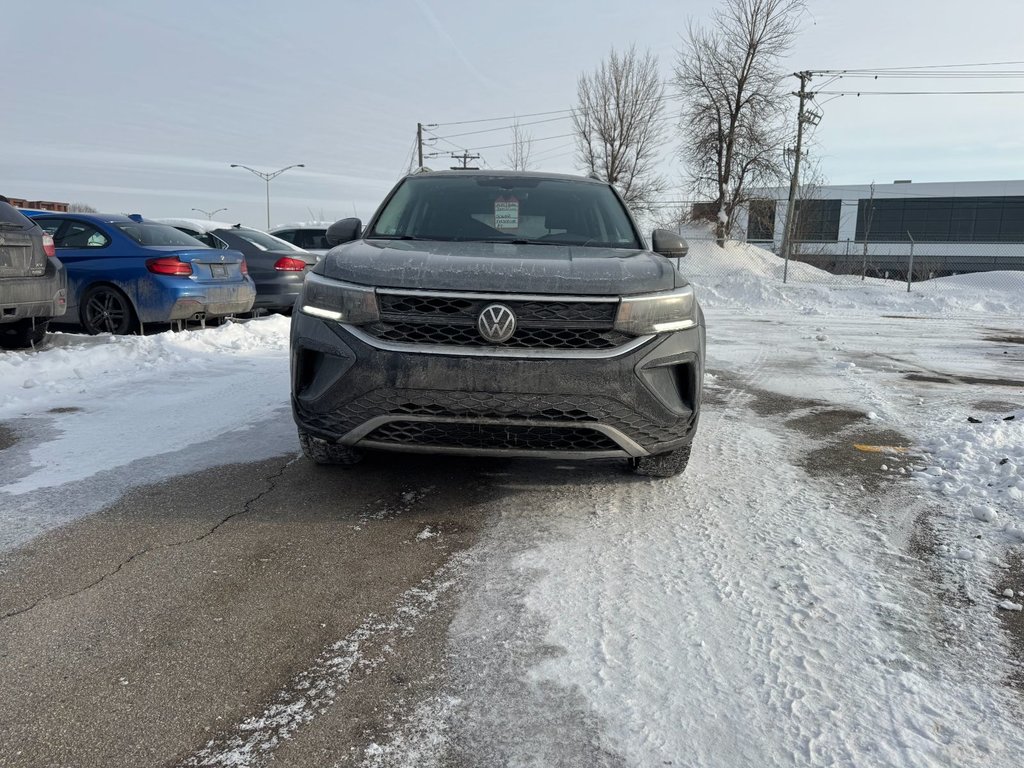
(235, 165)
(301, 165)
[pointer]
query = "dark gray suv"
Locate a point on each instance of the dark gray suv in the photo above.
(33, 283)
(499, 313)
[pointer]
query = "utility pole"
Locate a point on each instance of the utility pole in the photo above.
(910, 264)
(867, 230)
(465, 157)
(419, 143)
(794, 181)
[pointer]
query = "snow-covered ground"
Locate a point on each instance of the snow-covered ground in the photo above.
(102, 414)
(759, 610)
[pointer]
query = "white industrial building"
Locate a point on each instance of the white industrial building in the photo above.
(952, 227)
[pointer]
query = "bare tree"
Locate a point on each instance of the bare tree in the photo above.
(807, 192)
(518, 156)
(619, 126)
(81, 208)
(730, 80)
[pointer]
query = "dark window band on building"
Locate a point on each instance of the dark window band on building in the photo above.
(761, 221)
(942, 220)
(817, 221)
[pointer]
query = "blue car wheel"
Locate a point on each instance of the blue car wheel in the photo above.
(106, 310)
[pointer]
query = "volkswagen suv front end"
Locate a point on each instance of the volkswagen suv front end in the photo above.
(509, 314)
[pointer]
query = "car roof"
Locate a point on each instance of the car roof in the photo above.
(490, 174)
(199, 225)
(300, 225)
(103, 218)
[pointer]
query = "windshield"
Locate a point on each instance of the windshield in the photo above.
(151, 233)
(263, 241)
(506, 209)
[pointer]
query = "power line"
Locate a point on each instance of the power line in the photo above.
(509, 117)
(507, 144)
(506, 127)
(1000, 75)
(568, 112)
(927, 66)
(918, 93)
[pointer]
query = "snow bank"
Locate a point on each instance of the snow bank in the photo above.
(741, 275)
(979, 469)
(115, 399)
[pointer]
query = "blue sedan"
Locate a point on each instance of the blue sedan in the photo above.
(125, 271)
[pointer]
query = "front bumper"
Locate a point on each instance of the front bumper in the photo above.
(348, 389)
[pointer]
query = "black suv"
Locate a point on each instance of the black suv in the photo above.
(33, 283)
(499, 313)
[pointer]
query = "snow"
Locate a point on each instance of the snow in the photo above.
(757, 610)
(313, 690)
(128, 399)
(314, 224)
(200, 225)
(747, 277)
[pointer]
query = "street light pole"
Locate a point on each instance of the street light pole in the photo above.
(268, 176)
(209, 214)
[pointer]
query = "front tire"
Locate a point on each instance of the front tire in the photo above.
(321, 451)
(668, 464)
(105, 309)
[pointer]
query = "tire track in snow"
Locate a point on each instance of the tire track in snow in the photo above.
(773, 621)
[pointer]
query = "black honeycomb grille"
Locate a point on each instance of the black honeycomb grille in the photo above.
(529, 338)
(452, 320)
(469, 406)
(601, 313)
(492, 436)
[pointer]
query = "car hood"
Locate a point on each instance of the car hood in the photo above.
(499, 267)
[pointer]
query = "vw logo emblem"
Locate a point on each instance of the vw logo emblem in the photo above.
(496, 323)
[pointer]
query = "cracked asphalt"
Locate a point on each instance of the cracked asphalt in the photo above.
(141, 634)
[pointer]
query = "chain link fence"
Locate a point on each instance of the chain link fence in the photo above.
(909, 266)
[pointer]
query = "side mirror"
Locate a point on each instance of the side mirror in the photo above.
(668, 243)
(343, 231)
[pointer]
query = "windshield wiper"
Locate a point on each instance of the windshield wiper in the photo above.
(510, 241)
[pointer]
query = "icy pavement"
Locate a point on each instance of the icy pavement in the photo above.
(765, 609)
(832, 582)
(101, 414)
(754, 612)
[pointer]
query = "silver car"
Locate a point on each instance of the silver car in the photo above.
(33, 283)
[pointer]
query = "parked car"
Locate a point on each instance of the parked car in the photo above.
(33, 283)
(126, 271)
(511, 314)
(277, 267)
(309, 235)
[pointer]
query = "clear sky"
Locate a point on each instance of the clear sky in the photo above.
(141, 105)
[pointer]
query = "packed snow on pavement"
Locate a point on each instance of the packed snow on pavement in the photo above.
(758, 610)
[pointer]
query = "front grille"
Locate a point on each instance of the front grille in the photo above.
(510, 406)
(492, 436)
(529, 338)
(452, 320)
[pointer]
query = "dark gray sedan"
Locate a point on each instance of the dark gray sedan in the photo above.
(277, 267)
(33, 284)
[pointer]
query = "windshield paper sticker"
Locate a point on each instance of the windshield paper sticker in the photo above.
(506, 213)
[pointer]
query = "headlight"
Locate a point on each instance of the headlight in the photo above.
(657, 312)
(335, 300)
